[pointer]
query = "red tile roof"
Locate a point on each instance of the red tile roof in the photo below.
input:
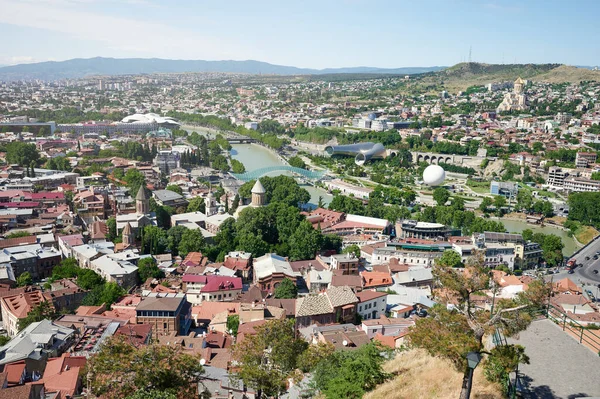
(368, 295)
(62, 374)
(14, 372)
(222, 283)
(15, 242)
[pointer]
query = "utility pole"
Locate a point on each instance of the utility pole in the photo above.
(470, 52)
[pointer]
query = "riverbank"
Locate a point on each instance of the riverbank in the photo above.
(255, 156)
(517, 225)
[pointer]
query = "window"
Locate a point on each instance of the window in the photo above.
(164, 326)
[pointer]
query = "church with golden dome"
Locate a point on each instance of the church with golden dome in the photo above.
(515, 101)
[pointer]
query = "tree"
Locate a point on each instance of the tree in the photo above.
(441, 195)
(350, 374)
(147, 268)
(552, 246)
(286, 289)
(88, 279)
(249, 242)
(4, 339)
(486, 202)
(107, 294)
(352, 249)
(22, 154)
(154, 240)
(191, 241)
(315, 354)
(24, 279)
(450, 258)
(152, 368)
(297, 162)
(305, 242)
(524, 200)
(134, 179)
(452, 333)
(174, 235)
(18, 234)
(237, 166)
(266, 359)
(153, 394)
(175, 188)
(233, 323)
(196, 204)
(502, 361)
(499, 201)
(44, 310)
(583, 207)
(111, 224)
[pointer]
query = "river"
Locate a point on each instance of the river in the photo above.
(255, 157)
(517, 226)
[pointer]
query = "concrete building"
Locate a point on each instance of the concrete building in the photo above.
(347, 264)
(113, 269)
(35, 259)
(348, 189)
(409, 254)
(580, 184)
(169, 198)
(556, 177)
(372, 304)
(425, 230)
(167, 160)
(506, 189)
(16, 307)
(270, 270)
(36, 343)
(166, 313)
(585, 159)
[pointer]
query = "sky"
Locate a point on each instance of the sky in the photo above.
(304, 33)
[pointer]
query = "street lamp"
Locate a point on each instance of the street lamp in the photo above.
(473, 359)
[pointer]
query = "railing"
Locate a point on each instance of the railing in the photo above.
(585, 336)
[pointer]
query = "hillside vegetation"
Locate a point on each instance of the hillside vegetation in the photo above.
(420, 375)
(463, 75)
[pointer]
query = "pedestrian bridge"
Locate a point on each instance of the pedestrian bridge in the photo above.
(255, 174)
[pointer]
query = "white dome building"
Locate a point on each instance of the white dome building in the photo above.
(164, 121)
(434, 175)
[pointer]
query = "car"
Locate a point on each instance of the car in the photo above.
(571, 271)
(596, 271)
(595, 257)
(587, 258)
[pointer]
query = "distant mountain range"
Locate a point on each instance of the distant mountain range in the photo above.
(80, 67)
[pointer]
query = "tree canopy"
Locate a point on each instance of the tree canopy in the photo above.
(286, 289)
(147, 268)
(452, 332)
(150, 369)
(267, 358)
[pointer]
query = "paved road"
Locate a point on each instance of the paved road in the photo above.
(585, 271)
(559, 366)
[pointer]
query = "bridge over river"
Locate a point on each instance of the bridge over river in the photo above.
(256, 173)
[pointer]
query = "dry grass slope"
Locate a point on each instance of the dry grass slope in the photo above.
(461, 76)
(420, 375)
(566, 73)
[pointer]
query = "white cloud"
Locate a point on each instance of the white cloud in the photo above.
(18, 59)
(140, 38)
